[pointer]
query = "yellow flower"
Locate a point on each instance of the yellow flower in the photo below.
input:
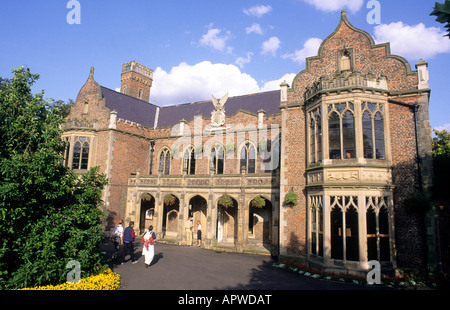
(107, 280)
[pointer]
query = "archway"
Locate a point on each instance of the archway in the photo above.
(227, 222)
(260, 222)
(147, 212)
(170, 217)
(197, 210)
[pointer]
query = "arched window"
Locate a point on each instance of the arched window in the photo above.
(315, 136)
(341, 131)
(334, 134)
(315, 203)
(344, 225)
(217, 156)
(164, 161)
(80, 156)
(248, 157)
(351, 234)
(373, 131)
(377, 219)
(189, 160)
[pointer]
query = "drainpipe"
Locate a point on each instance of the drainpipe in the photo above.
(152, 145)
(415, 108)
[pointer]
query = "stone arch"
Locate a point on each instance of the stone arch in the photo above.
(170, 216)
(227, 221)
(147, 211)
(260, 223)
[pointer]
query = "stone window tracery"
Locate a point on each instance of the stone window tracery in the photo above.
(217, 159)
(189, 160)
(341, 131)
(248, 157)
(164, 161)
(373, 130)
(80, 156)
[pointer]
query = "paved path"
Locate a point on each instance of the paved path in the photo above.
(192, 268)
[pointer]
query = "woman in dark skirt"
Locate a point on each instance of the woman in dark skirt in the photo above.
(199, 234)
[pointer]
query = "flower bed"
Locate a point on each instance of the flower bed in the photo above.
(107, 280)
(402, 281)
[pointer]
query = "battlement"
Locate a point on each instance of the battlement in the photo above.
(137, 67)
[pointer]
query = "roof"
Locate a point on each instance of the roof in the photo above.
(130, 108)
(144, 113)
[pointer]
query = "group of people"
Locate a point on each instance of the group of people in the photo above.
(126, 238)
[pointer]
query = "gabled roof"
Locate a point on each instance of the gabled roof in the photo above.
(144, 113)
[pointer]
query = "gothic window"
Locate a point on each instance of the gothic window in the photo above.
(189, 160)
(377, 219)
(341, 131)
(217, 156)
(344, 213)
(315, 203)
(351, 234)
(140, 93)
(373, 131)
(315, 136)
(248, 157)
(80, 153)
(164, 161)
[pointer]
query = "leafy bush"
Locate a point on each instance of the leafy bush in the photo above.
(48, 214)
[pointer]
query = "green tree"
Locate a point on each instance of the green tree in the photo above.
(442, 13)
(48, 215)
(441, 164)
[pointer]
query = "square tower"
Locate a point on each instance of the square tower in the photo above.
(136, 80)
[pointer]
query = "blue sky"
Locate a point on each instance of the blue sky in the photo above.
(201, 48)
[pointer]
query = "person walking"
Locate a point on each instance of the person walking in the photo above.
(117, 239)
(148, 250)
(128, 243)
(188, 228)
(199, 234)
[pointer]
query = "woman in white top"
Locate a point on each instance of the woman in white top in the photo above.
(148, 250)
(199, 234)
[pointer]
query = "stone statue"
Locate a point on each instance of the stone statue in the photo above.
(218, 115)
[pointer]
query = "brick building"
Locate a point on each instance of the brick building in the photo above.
(349, 137)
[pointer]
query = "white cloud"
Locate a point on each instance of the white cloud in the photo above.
(213, 39)
(258, 10)
(271, 46)
(275, 84)
(310, 48)
(413, 42)
(255, 28)
(241, 61)
(336, 5)
(191, 83)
